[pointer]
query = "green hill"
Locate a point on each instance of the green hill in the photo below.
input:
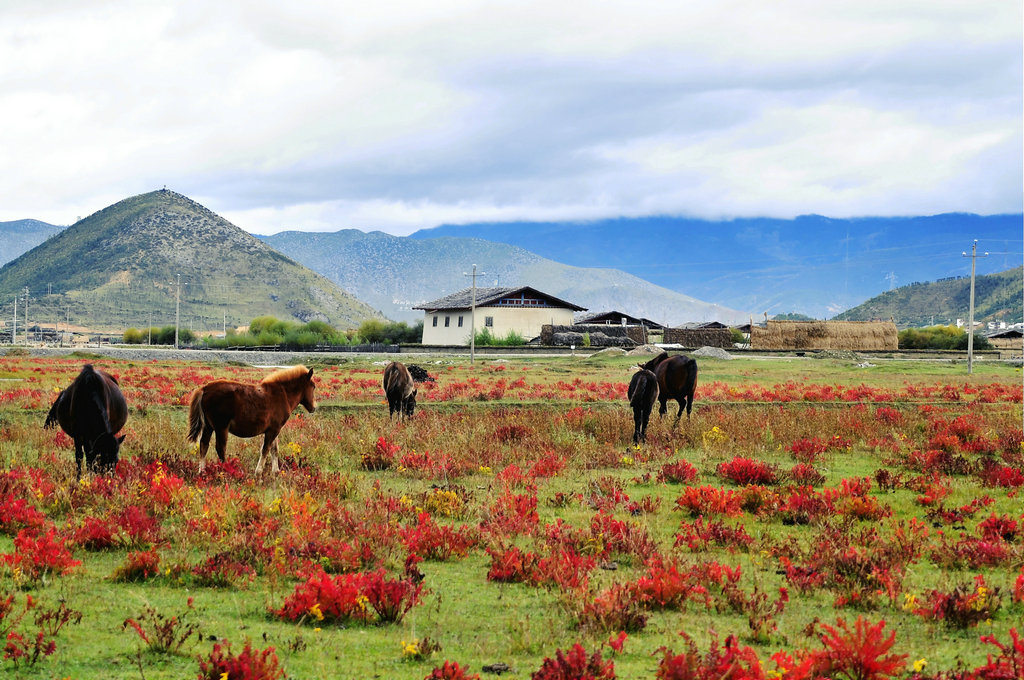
(997, 297)
(120, 267)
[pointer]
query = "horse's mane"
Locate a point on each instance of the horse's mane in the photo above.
(285, 374)
(655, 361)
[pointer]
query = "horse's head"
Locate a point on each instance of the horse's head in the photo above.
(410, 404)
(105, 450)
(308, 400)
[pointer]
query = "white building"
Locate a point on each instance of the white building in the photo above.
(447, 320)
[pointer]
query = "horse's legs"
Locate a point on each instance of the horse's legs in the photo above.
(221, 443)
(663, 408)
(78, 459)
(645, 418)
(269, 443)
(274, 467)
(682, 405)
(204, 446)
(637, 416)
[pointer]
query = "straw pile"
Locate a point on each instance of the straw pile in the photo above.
(847, 335)
(699, 337)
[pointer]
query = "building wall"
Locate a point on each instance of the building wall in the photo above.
(525, 321)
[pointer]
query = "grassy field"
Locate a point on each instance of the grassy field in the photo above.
(511, 518)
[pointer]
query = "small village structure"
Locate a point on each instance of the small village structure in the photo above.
(524, 310)
(709, 334)
(616, 318)
(1007, 340)
(825, 335)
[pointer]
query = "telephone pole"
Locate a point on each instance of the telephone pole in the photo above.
(970, 315)
(472, 318)
(177, 310)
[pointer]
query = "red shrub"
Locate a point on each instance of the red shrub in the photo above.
(731, 662)
(37, 555)
(709, 500)
(451, 671)
(363, 596)
(1009, 665)
(861, 653)
(575, 665)
(138, 566)
(612, 609)
(744, 471)
(17, 514)
(679, 472)
(511, 565)
(249, 664)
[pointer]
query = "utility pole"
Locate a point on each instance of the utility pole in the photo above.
(26, 315)
(472, 318)
(177, 310)
(14, 328)
(970, 315)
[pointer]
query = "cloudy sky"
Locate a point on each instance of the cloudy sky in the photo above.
(402, 115)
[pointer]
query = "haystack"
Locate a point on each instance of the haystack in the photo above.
(813, 335)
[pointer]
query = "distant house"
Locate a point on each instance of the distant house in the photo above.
(1006, 338)
(615, 318)
(500, 310)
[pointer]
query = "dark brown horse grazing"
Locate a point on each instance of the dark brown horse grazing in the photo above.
(224, 406)
(91, 411)
(642, 393)
(677, 379)
(400, 390)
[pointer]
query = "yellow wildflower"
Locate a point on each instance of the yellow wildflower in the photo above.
(919, 665)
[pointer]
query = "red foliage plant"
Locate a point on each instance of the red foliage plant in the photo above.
(450, 670)
(744, 471)
(729, 662)
(860, 653)
(575, 665)
(137, 566)
(249, 664)
(363, 596)
(679, 472)
(37, 555)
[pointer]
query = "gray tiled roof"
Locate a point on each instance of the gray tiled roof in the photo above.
(463, 299)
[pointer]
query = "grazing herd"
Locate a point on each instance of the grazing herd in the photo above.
(92, 410)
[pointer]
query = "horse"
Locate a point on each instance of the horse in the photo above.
(677, 379)
(92, 410)
(227, 406)
(400, 390)
(642, 393)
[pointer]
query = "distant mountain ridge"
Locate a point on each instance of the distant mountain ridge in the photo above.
(815, 265)
(997, 297)
(120, 267)
(394, 273)
(20, 236)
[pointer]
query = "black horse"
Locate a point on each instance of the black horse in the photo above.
(677, 379)
(642, 393)
(91, 411)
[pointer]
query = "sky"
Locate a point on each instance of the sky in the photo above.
(398, 116)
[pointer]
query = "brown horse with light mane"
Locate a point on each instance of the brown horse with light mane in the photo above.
(400, 390)
(224, 406)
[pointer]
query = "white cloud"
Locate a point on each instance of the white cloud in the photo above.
(400, 115)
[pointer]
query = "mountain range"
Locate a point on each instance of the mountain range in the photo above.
(120, 263)
(131, 263)
(394, 273)
(815, 265)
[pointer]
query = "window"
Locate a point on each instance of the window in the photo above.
(447, 321)
(435, 321)
(489, 321)
(460, 322)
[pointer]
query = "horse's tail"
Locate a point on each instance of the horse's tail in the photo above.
(643, 389)
(195, 416)
(51, 417)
